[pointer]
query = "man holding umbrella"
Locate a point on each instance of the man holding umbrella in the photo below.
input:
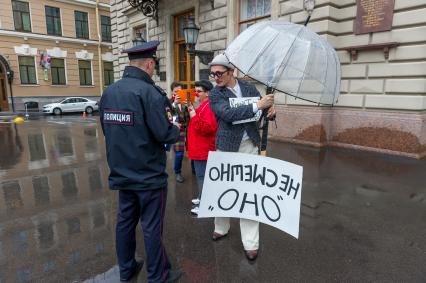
(241, 137)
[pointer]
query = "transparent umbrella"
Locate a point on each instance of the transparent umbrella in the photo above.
(289, 58)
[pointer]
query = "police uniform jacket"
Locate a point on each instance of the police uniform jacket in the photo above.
(136, 121)
(229, 136)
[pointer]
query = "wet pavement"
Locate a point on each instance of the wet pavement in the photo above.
(363, 215)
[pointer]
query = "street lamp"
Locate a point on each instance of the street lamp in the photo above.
(139, 40)
(308, 6)
(191, 35)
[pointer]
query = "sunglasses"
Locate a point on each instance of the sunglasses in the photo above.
(217, 74)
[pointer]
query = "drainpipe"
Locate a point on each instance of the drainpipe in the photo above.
(10, 80)
(101, 76)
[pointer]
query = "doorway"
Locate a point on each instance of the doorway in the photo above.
(184, 63)
(4, 104)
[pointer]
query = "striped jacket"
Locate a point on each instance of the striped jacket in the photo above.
(183, 115)
(229, 136)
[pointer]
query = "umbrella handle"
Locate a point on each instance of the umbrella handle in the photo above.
(265, 126)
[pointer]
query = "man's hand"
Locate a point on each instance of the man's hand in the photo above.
(177, 100)
(266, 102)
(191, 110)
(179, 125)
(271, 113)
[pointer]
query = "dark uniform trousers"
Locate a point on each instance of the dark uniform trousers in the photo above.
(148, 206)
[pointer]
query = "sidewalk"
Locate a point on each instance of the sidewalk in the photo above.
(363, 215)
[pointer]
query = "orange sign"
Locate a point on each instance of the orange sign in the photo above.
(186, 94)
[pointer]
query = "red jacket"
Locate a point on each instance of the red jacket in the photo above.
(202, 132)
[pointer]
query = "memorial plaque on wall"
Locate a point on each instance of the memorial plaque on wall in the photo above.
(374, 16)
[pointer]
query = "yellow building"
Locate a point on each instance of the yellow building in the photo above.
(53, 48)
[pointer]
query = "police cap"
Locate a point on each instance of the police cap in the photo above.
(144, 50)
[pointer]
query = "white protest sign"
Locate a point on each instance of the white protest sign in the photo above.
(253, 187)
(235, 102)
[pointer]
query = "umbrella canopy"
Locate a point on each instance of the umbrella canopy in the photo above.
(289, 58)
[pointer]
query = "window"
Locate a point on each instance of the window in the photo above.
(57, 68)
(21, 16)
(106, 28)
(95, 182)
(184, 62)
(41, 190)
(36, 146)
(81, 25)
(53, 20)
(63, 141)
(27, 70)
(46, 234)
(253, 11)
(85, 71)
(108, 73)
(12, 195)
(69, 185)
(73, 224)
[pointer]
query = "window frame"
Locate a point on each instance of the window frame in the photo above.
(108, 73)
(85, 70)
(57, 69)
(81, 23)
(188, 60)
(107, 35)
(54, 17)
(250, 20)
(26, 70)
(21, 16)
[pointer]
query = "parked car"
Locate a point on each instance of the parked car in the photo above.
(71, 104)
(31, 106)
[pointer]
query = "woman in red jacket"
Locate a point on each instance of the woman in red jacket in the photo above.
(201, 135)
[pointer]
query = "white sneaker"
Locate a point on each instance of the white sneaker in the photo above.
(195, 210)
(196, 201)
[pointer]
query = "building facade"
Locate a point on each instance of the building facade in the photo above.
(383, 91)
(51, 49)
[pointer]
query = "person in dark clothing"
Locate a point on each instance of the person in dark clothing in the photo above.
(180, 111)
(136, 120)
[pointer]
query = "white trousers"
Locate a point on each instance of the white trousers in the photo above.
(249, 228)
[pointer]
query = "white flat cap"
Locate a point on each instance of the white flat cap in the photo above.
(221, 60)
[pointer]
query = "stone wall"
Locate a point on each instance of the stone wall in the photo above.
(382, 102)
(372, 81)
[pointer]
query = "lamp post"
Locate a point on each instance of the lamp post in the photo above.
(308, 6)
(138, 39)
(191, 35)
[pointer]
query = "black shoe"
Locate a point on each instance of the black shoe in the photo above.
(251, 255)
(217, 236)
(174, 276)
(134, 275)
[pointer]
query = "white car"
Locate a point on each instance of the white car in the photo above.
(71, 104)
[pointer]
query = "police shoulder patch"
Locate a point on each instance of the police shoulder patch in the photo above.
(118, 117)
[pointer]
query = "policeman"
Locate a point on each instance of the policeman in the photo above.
(136, 120)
